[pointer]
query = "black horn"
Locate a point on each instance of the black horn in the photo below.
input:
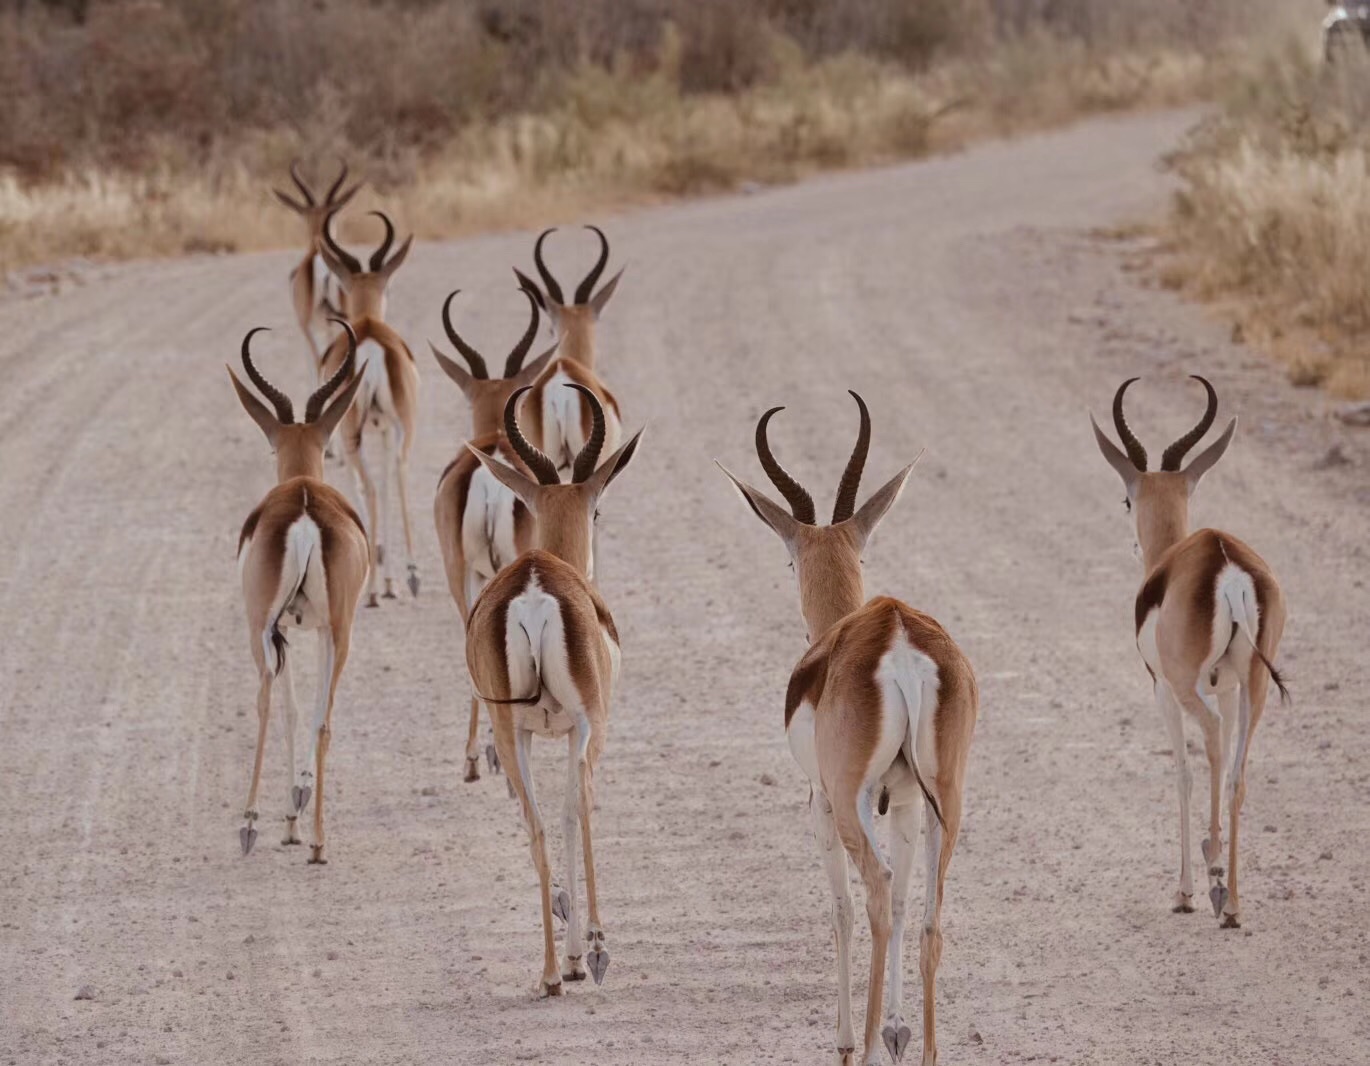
(333, 189)
(285, 411)
(299, 182)
(1174, 455)
(801, 503)
(856, 465)
(548, 282)
(543, 468)
(473, 358)
(588, 459)
(343, 255)
(314, 407)
(378, 256)
(514, 363)
(1135, 451)
(587, 286)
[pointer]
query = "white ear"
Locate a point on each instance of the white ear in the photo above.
(452, 369)
(615, 464)
(599, 299)
(874, 509)
(1116, 459)
(524, 488)
(530, 371)
(781, 522)
(1203, 462)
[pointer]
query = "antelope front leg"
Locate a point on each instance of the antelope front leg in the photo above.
(903, 834)
(1174, 726)
(843, 917)
(402, 481)
(247, 835)
(514, 748)
(288, 720)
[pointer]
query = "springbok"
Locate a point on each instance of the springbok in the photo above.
(303, 557)
(544, 656)
(482, 526)
(388, 401)
(559, 422)
(879, 712)
(1209, 619)
(309, 281)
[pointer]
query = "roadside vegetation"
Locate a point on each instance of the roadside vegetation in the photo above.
(156, 127)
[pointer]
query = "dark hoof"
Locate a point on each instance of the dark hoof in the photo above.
(1217, 895)
(598, 962)
(561, 904)
(414, 581)
(896, 1036)
(1182, 908)
(492, 758)
(299, 795)
(316, 855)
(291, 842)
(247, 836)
(472, 770)
(1230, 921)
(388, 595)
(371, 601)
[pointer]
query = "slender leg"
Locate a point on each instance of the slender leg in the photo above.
(247, 835)
(402, 481)
(856, 828)
(1218, 727)
(835, 864)
(903, 835)
(312, 782)
(1171, 715)
(577, 741)
(514, 748)
(288, 720)
(1236, 796)
(939, 842)
(356, 458)
(387, 555)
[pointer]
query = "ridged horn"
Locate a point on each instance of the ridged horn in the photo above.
(299, 183)
(588, 459)
(473, 358)
(343, 255)
(333, 189)
(856, 465)
(543, 468)
(1174, 455)
(314, 407)
(1135, 451)
(801, 503)
(587, 286)
(378, 256)
(514, 363)
(548, 282)
(285, 411)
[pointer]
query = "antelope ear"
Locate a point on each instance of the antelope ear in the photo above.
(452, 369)
(268, 422)
(333, 413)
(336, 266)
(599, 299)
(289, 201)
(526, 489)
(1203, 462)
(397, 260)
(781, 522)
(614, 465)
(873, 510)
(1116, 459)
(531, 371)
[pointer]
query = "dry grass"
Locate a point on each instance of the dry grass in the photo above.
(1274, 216)
(673, 98)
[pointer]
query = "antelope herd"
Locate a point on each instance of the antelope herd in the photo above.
(880, 709)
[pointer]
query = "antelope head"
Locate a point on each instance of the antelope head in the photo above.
(364, 287)
(573, 322)
(826, 559)
(488, 395)
(1159, 500)
(298, 446)
(315, 212)
(565, 513)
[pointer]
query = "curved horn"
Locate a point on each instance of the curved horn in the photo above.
(1135, 451)
(299, 182)
(856, 465)
(474, 359)
(285, 412)
(801, 503)
(514, 363)
(543, 468)
(333, 189)
(548, 282)
(344, 256)
(588, 459)
(587, 286)
(314, 407)
(378, 256)
(1174, 455)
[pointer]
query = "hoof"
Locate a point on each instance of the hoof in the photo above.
(1212, 853)
(492, 758)
(1217, 895)
(573, 970)
(388, 595)
(896, 1036)
(371, 601)
(1184, 903)
(292, 836)
(598, 961)
(414, 580)
(472, 770)
(316, 855)
(247, 836)
(561, 904)
(510, 786)
(1230, 921)
(299, 796)
(547, 988)
(846, 1056)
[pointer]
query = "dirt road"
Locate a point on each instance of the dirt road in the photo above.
(965, 298)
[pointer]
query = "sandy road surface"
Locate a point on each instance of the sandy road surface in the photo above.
(964, 299)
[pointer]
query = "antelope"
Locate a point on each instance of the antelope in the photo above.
(389, 396)
(1209, 617)
(879, 714)
(543, 654)
(482, 526)
(303, 558)
(309, 281)
(560, 423)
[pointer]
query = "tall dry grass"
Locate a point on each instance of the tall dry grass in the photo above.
(153, 127)
(1273, 217)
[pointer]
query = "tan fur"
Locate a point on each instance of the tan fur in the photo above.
(532, 411)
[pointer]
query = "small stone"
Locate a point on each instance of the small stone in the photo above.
(1271, 829)
(1332, 686)
(428, 790)
(1326, 856)
(1334, 457)
(249, 939)
(85, 992)
(162, 1060)
(332, 956)
(975, 1037)
(767, 779)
